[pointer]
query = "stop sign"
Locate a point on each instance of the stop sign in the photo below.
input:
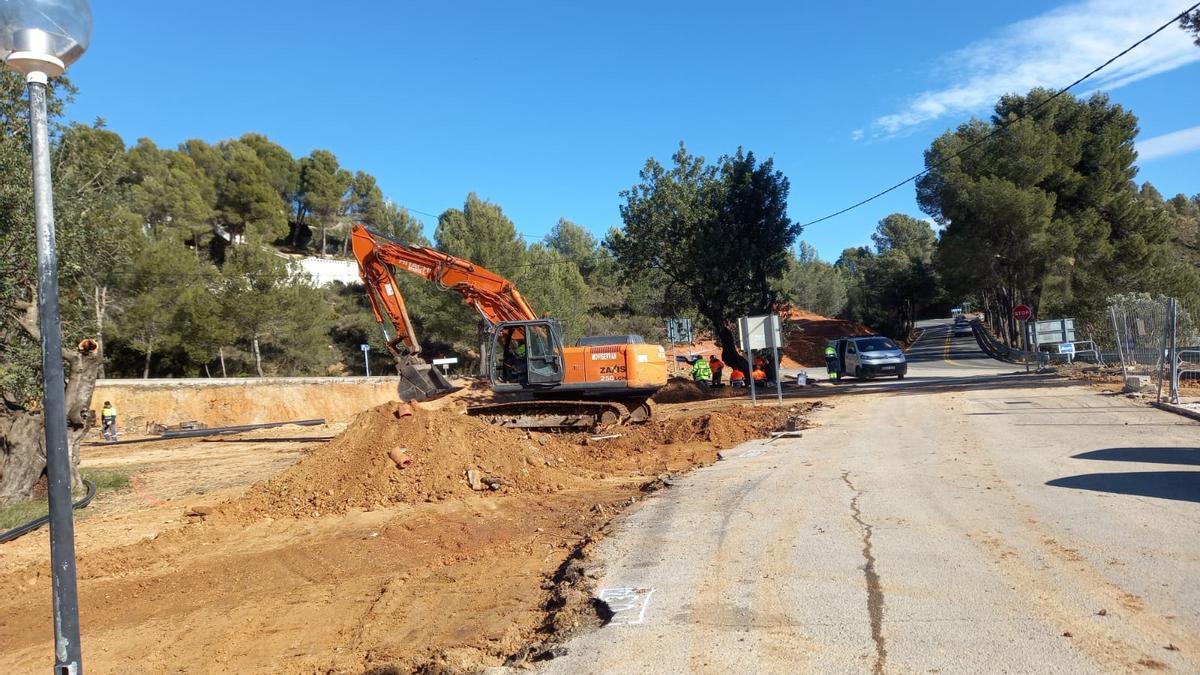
(1022, 313)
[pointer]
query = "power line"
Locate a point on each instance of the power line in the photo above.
(1003, 126)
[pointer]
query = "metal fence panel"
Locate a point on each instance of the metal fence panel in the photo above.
(1141, 323)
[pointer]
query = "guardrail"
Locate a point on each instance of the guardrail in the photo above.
(1188, 366)
(1002, 352)
(1085, 350)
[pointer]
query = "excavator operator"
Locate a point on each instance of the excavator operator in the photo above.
(514, 363)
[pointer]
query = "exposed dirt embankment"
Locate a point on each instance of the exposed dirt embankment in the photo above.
(221, 401)
(808, 334)
(395, 454)
(448, 557)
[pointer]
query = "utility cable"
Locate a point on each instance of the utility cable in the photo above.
(1003, 125)
(34, 524)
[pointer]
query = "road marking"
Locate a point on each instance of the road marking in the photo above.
(628, 605)
(946, 352)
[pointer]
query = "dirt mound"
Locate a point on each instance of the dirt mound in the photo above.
(806, 338)
(384, 458)
(689, 440)
(682, 390)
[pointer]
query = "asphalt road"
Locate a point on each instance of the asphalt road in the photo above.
(965, 520)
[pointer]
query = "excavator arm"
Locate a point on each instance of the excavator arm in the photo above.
(493, 296)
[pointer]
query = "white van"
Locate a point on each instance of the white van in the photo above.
(871, 356)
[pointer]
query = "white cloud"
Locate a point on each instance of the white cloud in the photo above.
(1175, 143)
(1052, 50)
(857, 134)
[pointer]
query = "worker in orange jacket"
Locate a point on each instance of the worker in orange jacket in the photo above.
(737, 378)
(717, 366)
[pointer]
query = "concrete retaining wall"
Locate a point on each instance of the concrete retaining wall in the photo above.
(227, 401)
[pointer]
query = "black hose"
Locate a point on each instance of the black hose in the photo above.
(32, 525)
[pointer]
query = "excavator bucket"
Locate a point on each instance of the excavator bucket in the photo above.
(423, 382)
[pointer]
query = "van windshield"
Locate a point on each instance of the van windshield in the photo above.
(875, 344)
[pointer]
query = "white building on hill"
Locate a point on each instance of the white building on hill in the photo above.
(325, 271)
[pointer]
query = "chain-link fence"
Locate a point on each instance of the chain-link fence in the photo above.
(1155, 338)
(1140, 324)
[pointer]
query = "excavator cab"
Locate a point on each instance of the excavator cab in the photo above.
(526, 354)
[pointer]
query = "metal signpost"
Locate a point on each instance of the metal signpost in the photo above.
(744, 329)
(366, 360)
(774, 344)
(445, 364)
(760, 332)
(1023, 313)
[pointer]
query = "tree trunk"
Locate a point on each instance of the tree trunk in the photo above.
(322, 240)
(22, 432)
(221, 355)
(729, 352)
(100, 296)
(257, 357)
(146, 370)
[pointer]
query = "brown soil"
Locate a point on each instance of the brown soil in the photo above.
(686, 390)
(806, 338)
(344, 561)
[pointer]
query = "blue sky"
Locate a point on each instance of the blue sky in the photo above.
(550, 109)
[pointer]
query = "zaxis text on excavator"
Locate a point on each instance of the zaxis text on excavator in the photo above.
(600, 382)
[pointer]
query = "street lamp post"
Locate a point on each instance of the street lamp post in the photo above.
(39, 39)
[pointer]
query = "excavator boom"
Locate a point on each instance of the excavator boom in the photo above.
(526, 354)
(493, 296)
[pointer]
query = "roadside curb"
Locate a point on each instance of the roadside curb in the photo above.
(1178, 410)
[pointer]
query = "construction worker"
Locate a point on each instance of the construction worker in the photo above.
(701, 372)
(108, 421)
(832, 363)
(759, 374)
(514, 357)
(717, 366)
(737, 378)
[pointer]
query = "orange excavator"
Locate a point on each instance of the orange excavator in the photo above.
(599, 382)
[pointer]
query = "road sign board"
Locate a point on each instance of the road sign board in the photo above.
(680, 330)
(365, 348)
(760, 332)
(1055, 330)
(1022, 313)
(1066, 348)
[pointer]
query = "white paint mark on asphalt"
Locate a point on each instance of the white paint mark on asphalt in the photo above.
(738, 453)
(628, 605)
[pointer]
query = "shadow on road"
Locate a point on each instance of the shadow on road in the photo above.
(1177, 485)
(1184, 456)
(932, 385)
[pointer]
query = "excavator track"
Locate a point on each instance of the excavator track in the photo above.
(560, 415)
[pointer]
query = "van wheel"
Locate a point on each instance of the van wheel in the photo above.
(858, 372)
(900, 376)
